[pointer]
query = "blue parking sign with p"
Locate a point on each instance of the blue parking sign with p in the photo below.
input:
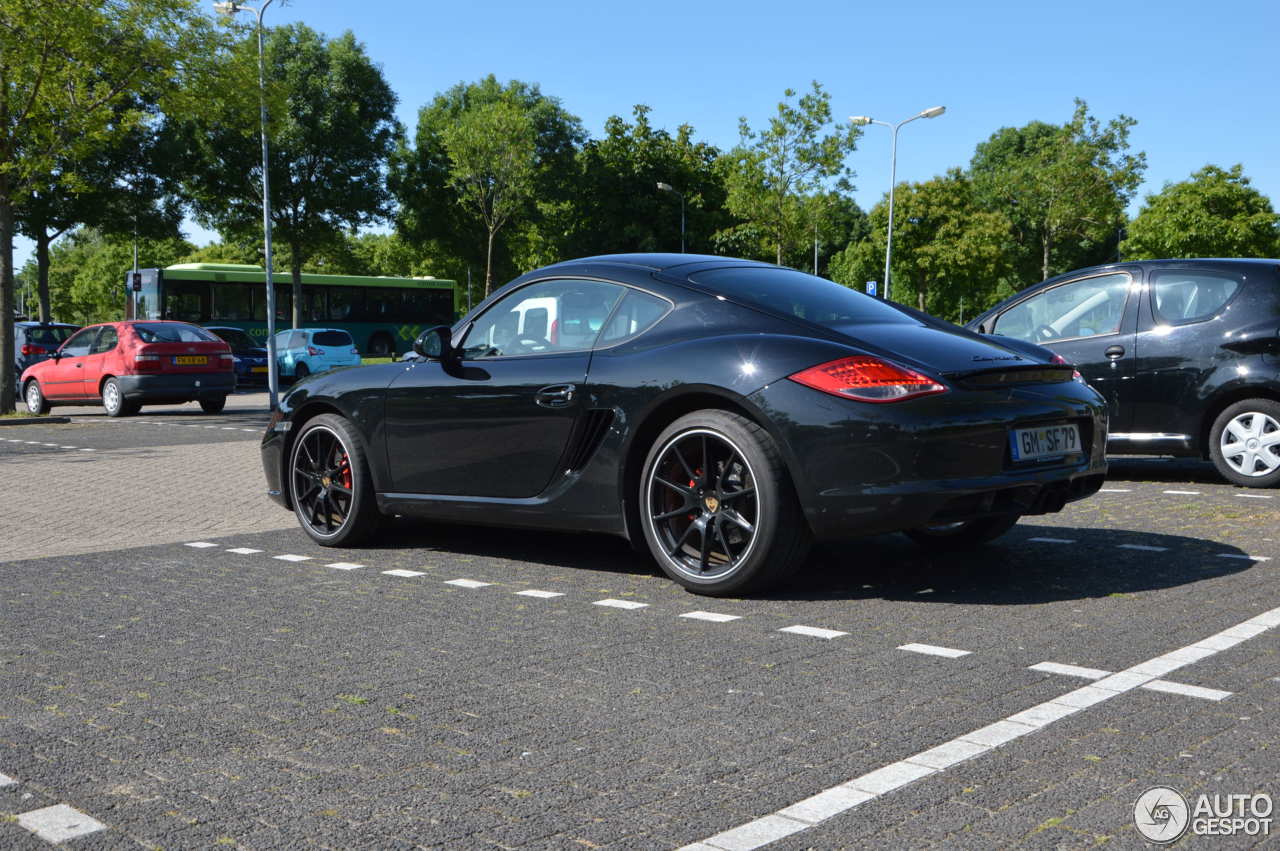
(871, 287)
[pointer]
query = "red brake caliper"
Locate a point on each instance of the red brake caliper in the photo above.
(344, 471)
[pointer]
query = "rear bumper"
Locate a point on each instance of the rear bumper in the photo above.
(176, 388)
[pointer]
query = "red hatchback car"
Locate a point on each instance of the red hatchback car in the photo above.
(125, 365)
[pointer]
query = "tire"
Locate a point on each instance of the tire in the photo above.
(300, 371)
(315, 464)
(113, 400)
(213, 404)
(736, 526)
(963, 535)
(1251, 426)
(381, 346)
(34, 397)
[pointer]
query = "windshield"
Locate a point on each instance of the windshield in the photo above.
(172, 332)
(48, 335)
(236, 338)
(802, 296)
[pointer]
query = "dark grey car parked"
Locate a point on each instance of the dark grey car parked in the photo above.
(37, 341)
(1187, 353)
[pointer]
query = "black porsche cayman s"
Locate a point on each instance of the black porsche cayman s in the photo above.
(722, 413)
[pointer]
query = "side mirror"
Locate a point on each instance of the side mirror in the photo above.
(435, 344)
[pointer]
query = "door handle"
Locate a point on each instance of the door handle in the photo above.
(1114, 352)
(555, 396)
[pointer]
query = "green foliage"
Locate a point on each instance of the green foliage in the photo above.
(770, 171)
(947, 250)
(1064, 188)
(1216, 213)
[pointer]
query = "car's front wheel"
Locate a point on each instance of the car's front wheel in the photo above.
(329, 479)
(1244, 443)
(962, 534)
(717, 506)
(36, 403)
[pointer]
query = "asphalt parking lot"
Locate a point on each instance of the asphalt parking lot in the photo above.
(192, 671)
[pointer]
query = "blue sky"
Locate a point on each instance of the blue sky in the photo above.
(1201, 79)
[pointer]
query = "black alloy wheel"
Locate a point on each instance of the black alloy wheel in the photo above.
(329, 479)
(717, 507)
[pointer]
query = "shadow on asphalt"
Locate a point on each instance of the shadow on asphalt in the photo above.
(1009, 571)
(1132, 468)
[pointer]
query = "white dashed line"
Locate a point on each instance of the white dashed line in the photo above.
(291, 557)
(54, 445)
(813, 631)
(233, 428)
(1070, 670)
(931, 650)
(1052, 540)
(620, 604)
(90, 450)
(1144, 548)
(1114, 490)
(1244, 557)
(59, 823)
(243, 551)
(200, 545)
(1252, 496)
(66, 447)
(541, 595)
(344, 565)
(838, 799)
(1189, 691)
(714, 617)
(1183, 493)
(6, 780)
(466, 583)
(405, 573)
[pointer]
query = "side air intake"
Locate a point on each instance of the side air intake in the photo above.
(592, 428)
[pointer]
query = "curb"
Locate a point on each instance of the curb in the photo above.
(4, 421)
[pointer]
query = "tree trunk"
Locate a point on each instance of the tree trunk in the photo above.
(1046, 241)
(488, 264)
(920, 298)
(42, 274)
(295, 270)
(7, 364)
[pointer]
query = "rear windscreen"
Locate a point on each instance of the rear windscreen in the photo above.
(236, 338)
(172, 332)
(797, 294)
(49, 336)
(331, 338)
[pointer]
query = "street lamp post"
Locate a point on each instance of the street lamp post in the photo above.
(273, 372)
(931, 112)
(667, 187)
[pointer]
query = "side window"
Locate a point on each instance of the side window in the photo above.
(1180, 298)
(638, 312)
(80, 344)
(187, 300)
(232, 301)
(1090, 307)
(107, 339)
(345, 303)
(542, 318)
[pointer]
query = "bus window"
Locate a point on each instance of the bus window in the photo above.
(284, 298)
(187, 301)
(345, 303)
(147, 305)
(382, 304)
(313, 309)
(233, 301)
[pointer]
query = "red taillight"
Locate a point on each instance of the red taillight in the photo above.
(1075, 374)
(868, 379)
(146, 361)
(28, 349)
(313, 351)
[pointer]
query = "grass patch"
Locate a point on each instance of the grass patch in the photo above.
(367, 361)
(354, 699)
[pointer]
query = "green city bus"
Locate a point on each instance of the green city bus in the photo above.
(383, 315)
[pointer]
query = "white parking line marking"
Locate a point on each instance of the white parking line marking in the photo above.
(814, 631)
(215, 426)
(714, 617)
(467, 583)
(6, 780)
(1189, 691)
(620, 604)
(59, 823)
(1252, 496)
(90, 450)
(1114, 490)
(405, 573)
(251, 430)
(1070, 670)
(934, 650)
(233, 428)
(291, 557)
(1144, 548)
(66, 447)
(344, 565)
(200, 545)
(1052, 540)
(541, 595)
(37, 443)
(54, 445)
(776, 825)
(1244, 557)
(243, 551)
(1184, 493)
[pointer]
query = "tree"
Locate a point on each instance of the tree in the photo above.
(428, 211)
(1064, 188)
(770, 171)
(66, 68)
(331, 129)
(1216, 213)
(947, 250)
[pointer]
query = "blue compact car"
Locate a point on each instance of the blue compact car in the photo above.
(250, 355)
(305, 351)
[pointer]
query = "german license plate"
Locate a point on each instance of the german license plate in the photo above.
(1033, 444)
(258, 369)
(190, 360)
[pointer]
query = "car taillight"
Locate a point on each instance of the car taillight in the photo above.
(868, 379)
(146, 362)
(1075, 373)
(28, 349)
(313, 351)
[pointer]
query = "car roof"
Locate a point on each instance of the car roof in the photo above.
(32, 323)
(657, 262)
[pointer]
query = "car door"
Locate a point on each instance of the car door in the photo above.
(496, 422)
(64, 377)
(103, 345)
(1091, 322)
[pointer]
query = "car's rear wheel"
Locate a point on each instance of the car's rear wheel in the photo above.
(34, 396)
(1244, 443)
(213, 404)
(963, 534)
(114, 402)
(329, 479)
(381, 345)
(300, 371)
(717, 506)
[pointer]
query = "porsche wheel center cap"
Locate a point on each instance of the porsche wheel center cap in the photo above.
(326, 481)
(712, 504)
